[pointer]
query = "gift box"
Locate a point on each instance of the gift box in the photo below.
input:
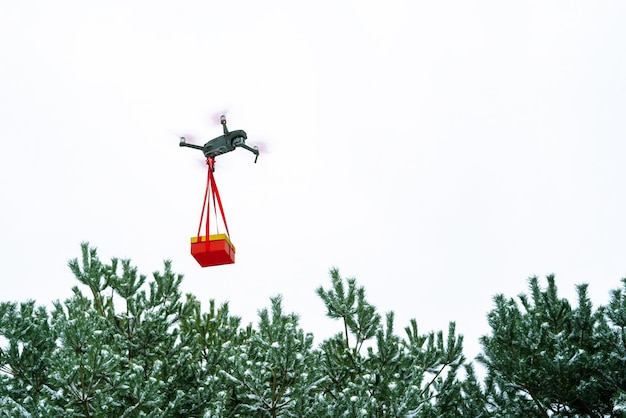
(214, 252)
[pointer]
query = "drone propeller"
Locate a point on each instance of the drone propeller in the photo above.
(216, 117)
(190, 139)
(260, 146)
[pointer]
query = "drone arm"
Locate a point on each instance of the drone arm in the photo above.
(183, 143)
(223, 122)
(252, 150)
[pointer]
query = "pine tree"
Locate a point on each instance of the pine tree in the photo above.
(546, 358)
(612, 335)
(134, 347)
(208, 341)
(416, 376)
(26, 361)
(274, 373)
(125, 351)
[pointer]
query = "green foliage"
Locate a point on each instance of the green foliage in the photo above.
(349, 305)
(273, 372)
(416, 376)
(134, 347)
(545, 358)
(26, 361)
(125, 351)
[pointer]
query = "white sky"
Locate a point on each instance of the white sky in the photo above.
(439, 152)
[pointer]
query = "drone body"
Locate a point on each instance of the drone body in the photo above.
(224, 143)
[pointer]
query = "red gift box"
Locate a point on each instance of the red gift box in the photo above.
(218, 250)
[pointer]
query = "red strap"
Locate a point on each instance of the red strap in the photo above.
(206, 193)
(210, 185)
(217, 225)
(216, 194)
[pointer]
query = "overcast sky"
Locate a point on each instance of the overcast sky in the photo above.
(440, 152)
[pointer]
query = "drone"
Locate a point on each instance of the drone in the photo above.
(224, 143)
